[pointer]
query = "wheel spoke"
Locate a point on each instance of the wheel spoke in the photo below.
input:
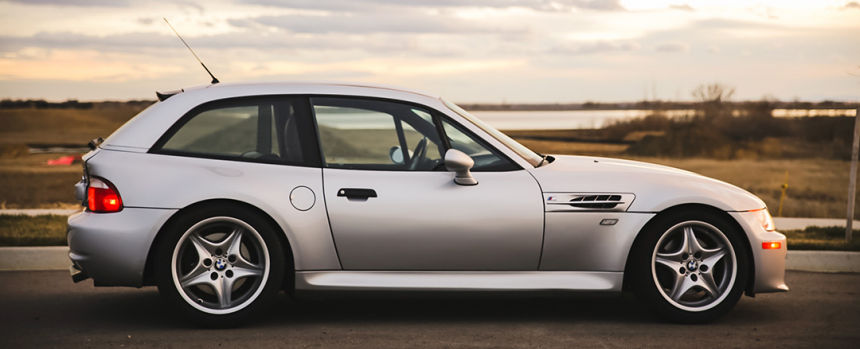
(690, 241)
(233, 242)
(223, 290)
(682, 285)
(241, 262)
(713, 257)
(240, 272)
(706, 280)
(674, 256)
(668, 261)
(204, 247)
(197, 276)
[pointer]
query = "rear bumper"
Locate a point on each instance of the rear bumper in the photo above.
(769, 264)
(111, 248)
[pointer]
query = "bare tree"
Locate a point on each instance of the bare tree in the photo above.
(714, 93)
(712, 97)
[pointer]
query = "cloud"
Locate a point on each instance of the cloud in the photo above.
(585, 48)
(369, 5)
(146, 20)
(682, 7)
(82, 3)
(673, 47)
(408, 22)
(739, 25)
(65, 40)
(853, 5)
(268, 42)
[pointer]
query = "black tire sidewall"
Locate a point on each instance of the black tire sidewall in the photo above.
(164, 255)
(644, 284)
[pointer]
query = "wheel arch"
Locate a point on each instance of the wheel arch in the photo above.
(289, 275)
(750, 287)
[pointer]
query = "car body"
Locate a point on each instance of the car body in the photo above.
(354, 187)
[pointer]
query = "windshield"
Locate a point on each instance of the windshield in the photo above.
(526, 153)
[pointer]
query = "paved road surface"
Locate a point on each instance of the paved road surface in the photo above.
(45, 309)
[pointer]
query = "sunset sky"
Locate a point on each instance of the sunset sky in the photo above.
(467, 50)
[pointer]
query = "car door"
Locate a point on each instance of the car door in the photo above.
(392, 205)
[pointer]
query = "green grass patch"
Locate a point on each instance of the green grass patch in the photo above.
(19, 230)
(50, 230)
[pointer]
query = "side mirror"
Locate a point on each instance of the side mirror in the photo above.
(460, 164)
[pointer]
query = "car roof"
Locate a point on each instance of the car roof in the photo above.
(143, 130)
(319, 87)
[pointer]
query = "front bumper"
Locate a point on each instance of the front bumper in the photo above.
(111, 248)
(769, 264)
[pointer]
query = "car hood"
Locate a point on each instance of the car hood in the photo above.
(656, 187)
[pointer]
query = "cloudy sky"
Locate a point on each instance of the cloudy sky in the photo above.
(468, 50)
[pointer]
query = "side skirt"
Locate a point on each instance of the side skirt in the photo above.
(459, 281)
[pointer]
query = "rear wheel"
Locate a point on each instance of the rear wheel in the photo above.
(691, 266)
(220, 265)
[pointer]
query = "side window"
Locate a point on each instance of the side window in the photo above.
(265, 131)
(485, 158)
(434, 149)
(376, 135)
(355, 136)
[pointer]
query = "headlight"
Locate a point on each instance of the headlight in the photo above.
(765, 219)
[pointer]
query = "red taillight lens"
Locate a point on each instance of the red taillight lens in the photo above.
(102, 196)
(773, 245)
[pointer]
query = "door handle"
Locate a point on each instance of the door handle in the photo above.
(357, 193)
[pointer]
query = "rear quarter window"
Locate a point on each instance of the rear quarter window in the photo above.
(271, 129)
(224, 131)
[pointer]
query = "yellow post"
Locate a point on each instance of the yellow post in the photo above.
(852, 179)
(782, 196)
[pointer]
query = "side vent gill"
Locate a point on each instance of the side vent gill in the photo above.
(596, 201)
(560, 202)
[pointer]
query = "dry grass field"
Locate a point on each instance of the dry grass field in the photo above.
(61, 126)
(28, 181)
(816, 187)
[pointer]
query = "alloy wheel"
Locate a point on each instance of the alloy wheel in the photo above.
(220, 265)
(694, 266)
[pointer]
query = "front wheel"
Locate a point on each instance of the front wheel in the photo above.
(219, 265)
(691, 267)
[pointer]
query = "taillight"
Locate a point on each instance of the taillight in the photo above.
(102, 196)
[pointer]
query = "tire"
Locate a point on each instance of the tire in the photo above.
(690, 266)
(219, 265)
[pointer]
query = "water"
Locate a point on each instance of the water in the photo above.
(552, 120)
(589, 119)
(555, 120)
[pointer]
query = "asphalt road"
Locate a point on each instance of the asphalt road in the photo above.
(45, 309)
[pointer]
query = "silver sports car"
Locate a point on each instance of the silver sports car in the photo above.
(226, 194)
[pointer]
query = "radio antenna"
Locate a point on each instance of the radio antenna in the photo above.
(214, 79)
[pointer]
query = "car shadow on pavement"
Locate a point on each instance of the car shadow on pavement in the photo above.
(147, 309)
(423, 308)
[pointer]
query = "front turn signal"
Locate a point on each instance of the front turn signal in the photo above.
(772, 245)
